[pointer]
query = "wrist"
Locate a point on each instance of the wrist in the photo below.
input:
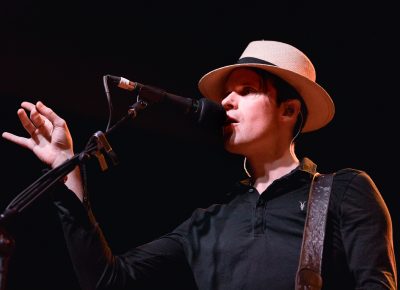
(61, 158)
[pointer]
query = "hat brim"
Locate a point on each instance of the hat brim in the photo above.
(319, 104)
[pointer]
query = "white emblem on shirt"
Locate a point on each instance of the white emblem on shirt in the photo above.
(302, 205)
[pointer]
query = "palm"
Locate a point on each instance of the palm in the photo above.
(47, 148)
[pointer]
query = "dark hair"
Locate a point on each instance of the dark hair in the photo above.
(286, 92)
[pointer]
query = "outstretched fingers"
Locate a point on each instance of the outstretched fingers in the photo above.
(36, 124)
(24, 142)
(28, 126)
(26, 122)
(50, 114)
(35, 117)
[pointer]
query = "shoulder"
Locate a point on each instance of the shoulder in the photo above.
(354, 190)
(349, 180)
(347, 175)
(208, 212)
(199, 221)
(202, 217)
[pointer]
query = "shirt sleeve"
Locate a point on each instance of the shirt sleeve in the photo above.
(366, 230)
(95, 265)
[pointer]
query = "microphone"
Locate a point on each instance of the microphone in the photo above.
(204, 112)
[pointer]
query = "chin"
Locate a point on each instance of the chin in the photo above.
(232, 147)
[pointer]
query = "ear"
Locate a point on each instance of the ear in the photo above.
(290, 109)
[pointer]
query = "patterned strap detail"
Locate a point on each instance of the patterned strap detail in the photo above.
(308, 276)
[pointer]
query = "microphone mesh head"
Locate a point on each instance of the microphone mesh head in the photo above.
(211, 114)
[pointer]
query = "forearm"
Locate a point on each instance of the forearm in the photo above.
(87, 247)
(95, 265)
(74, 179)
(74, 183)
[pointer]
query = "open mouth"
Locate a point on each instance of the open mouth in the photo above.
(230, 121)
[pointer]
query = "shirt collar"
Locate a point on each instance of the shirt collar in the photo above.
(305, 171)
(308, 166)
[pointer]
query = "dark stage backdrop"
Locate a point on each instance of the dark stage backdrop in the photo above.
(58, 52)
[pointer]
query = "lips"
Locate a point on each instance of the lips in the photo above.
(229, 120)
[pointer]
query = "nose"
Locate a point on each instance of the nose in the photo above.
(229, 102)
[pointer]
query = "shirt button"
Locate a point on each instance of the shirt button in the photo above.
(261, 202)
(251, 190)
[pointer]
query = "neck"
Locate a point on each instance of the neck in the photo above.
(267, 168)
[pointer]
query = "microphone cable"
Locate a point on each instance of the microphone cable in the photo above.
(82, 165)
(108, 96)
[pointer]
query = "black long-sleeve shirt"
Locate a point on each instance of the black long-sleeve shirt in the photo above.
(251, 242)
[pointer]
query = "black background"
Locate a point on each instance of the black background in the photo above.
(58, 52)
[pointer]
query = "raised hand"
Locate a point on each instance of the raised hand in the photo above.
(49, 139)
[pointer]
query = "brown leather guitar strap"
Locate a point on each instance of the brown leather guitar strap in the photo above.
(308, 276)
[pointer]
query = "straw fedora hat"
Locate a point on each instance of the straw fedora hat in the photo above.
(286, 62)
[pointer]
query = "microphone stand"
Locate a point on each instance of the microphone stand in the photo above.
(98, 146)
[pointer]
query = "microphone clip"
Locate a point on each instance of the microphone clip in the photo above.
(137, 107)
(104, 148)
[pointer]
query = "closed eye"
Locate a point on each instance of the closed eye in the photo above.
(244, 91)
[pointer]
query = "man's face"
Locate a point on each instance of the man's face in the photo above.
(252, 111)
